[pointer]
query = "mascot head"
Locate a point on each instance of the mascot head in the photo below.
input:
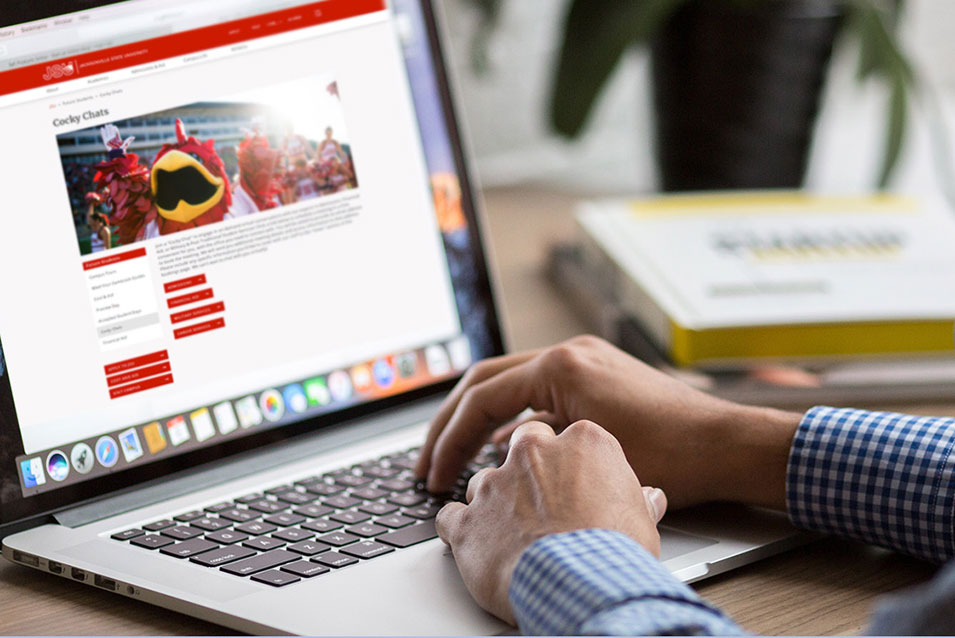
(188, 183)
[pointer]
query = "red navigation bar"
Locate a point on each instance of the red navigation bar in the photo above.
(137, 362)
(111, 259)
(184, 43)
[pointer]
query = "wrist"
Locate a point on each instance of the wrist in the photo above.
(755, 444)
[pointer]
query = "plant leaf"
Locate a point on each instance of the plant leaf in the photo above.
(880, 56)
(596, 34)
(895, 131)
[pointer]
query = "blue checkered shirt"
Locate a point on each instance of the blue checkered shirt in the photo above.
(883, 478)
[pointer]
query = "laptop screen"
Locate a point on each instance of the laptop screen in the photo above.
(221, 229)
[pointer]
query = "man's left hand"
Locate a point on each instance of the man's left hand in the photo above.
(548, 484)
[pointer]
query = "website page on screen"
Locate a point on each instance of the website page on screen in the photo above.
(220, 229)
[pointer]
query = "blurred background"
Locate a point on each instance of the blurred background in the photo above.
(506, 107)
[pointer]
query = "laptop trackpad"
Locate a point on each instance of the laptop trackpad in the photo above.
(675, 543)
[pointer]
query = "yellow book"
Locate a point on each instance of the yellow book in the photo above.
(726, 279)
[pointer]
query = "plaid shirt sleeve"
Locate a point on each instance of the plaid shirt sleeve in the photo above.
(878, 477)
(597, 582)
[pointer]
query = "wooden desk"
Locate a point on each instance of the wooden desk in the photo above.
(825, 588)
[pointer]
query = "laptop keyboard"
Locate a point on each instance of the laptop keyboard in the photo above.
(310, 527)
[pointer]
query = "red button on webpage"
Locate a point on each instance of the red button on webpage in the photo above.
(192, 297)
(182, 284)
(195, 313)
(136, 362)
(199, 328)
(140, 386)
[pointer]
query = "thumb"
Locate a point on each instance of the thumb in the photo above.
(448, 520)
(656, 502)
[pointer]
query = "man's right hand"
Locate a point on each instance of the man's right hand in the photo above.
(695, 447)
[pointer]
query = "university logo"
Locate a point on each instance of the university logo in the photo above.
(57, 71)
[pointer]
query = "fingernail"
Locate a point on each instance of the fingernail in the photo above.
(658, 501)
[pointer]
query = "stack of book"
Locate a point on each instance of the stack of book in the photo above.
(774, 297)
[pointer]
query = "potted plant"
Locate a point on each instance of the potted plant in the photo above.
(736, 83)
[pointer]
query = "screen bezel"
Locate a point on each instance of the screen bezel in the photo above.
(20, 513)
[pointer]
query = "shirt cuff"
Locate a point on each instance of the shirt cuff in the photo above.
(883, 478)
(602, 582)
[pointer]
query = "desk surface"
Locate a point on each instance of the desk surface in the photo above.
(827, 587)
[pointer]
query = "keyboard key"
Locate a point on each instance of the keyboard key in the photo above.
(423, 512)
(367, 549)
(222, 556)
(189, 516)
(350, 517)
(342, 502)
(308, 548)
(267, 507)
(128, 534)
(325, 489)
(218, 507)
(261, 562)
(404, 462)
(367, 530)
(264, 543)
(239, 515)
(381, 472)
(396, 485)
(311, 480)
(368, 493)
(313, 511)
(211, 524)
(152, 541)
(188, 548)
(276, 578)
(409, 499)
(286, 519)
(182, 532)
(337, 539)
(321, 525)
(334, 559)
(248, 498)
(279, 489)
(296, 498)
(305, 569)
(227, 536)
(351, 480)
(410, 535)
(395, 521)
(256, 528)
(379, 509)
(293, 534)
(158, 525)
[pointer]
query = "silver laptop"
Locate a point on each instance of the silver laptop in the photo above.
(242, 265)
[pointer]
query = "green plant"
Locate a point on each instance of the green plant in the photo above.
(596, 34)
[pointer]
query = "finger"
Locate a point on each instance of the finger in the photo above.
(484, 407)
(656, 502)
(477, 374)
(448, 521)
(475, 483)
(526, 432)
(503, 433)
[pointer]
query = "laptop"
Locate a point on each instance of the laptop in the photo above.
(242, 266)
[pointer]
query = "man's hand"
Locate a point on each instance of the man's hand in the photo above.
(695, 447)
(548, 484)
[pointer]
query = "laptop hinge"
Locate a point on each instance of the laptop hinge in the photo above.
(247, 463)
